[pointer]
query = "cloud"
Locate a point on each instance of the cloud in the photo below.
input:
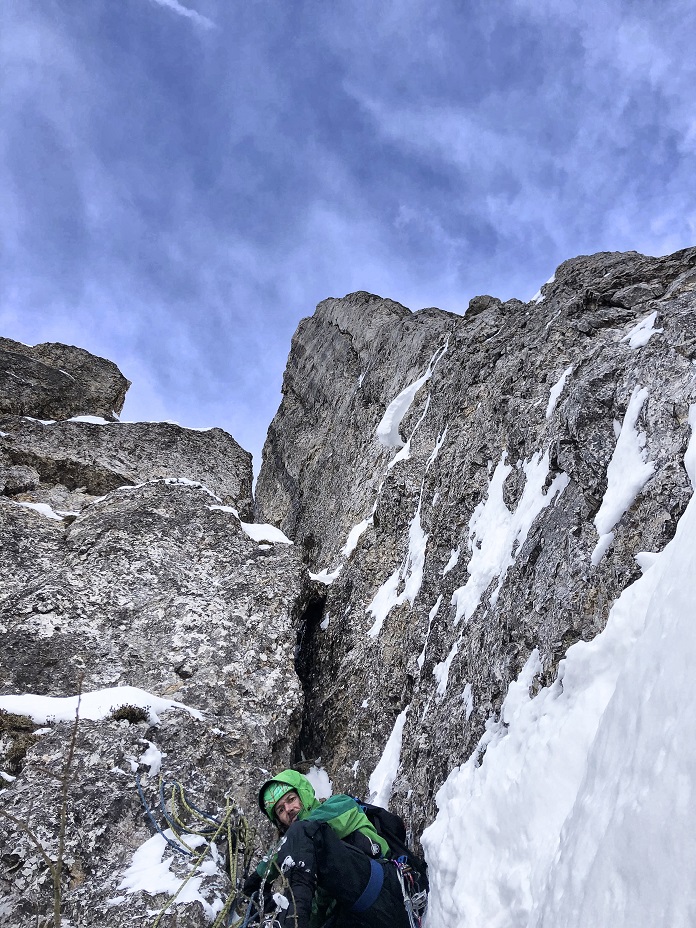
(178, 206)
(185, 11)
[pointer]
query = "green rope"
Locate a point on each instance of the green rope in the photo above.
(237, 834)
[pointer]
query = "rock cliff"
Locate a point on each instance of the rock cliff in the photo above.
(460, 491)
(128, 571)
(450, 478)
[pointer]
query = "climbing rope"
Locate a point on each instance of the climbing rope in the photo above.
(187, 820)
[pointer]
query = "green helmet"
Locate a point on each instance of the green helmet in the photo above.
(275, 788)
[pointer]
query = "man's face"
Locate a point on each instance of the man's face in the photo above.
(287, 808)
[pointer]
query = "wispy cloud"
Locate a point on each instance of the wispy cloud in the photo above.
(178, 206)
(188, 13)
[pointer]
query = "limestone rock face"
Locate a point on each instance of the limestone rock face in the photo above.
(76, 461)
(53, 381)
(443, 475)
(124, 566)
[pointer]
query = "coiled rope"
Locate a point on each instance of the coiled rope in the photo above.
(186, 820)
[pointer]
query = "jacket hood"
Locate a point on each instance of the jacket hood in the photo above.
(298, 782)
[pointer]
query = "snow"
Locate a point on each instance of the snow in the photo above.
(319, 778)
(264, 532)
(325, 576)
(152, 758)
(468, 700)
(94, 420)
(405, 453)
(641, 333)
(410, 572)
(539, 296)
(436, 450)
(496, 534)
(43, 509)
(354, 537)
(149, 873)
(431, 615)
(690, 455)
(453, 561)
(384, 774)
(388, 428)
(627, 474)
(325, 622)
(93, 706)
(556, 391)
(441, 671)
(257, 531)
(580, 812)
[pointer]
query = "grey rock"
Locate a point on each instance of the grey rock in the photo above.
(152, 587)
(94, 459)
(139, 578)
(53, 381)
(325, 471)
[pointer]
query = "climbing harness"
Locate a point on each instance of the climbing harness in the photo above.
(415, 899)
(231, 826)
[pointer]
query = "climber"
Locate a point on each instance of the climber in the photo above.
(332, 860)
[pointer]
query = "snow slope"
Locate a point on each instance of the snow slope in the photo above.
(581, 812)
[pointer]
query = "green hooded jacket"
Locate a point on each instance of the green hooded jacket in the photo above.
(341, 812)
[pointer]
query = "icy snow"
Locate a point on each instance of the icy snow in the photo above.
(431, 615)
(257, 531)
(384, 774)
(539, 296)
(441, 671)
(410, 572)
(641, 333)
(325, 576)
(152, 758)
(436, 450)
(690, 455)
(627, 474)
(453, 561)
(405, 453)
(93, 706)
(581, 812)
(43, 509)
(556, 391)
(388, 428)
(149, 873)
(319, 778)
(354, 537)
(93, 420)
(496, 534)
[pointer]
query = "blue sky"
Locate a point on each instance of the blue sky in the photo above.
(181, 181)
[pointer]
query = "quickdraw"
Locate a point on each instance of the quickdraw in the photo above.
(415, 900)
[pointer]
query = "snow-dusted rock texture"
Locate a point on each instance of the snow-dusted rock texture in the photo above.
(148, 581)
(470, 488)
(65, 464)
(53, 381)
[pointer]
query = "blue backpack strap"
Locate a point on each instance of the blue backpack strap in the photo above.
(372, 890)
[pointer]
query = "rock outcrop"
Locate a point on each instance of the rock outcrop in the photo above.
(66, 464)
(445, 476)
(124, 575)
(53, 381)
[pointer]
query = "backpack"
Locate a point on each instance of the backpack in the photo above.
(392, 828)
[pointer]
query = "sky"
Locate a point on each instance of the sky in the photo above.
(181, 181)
